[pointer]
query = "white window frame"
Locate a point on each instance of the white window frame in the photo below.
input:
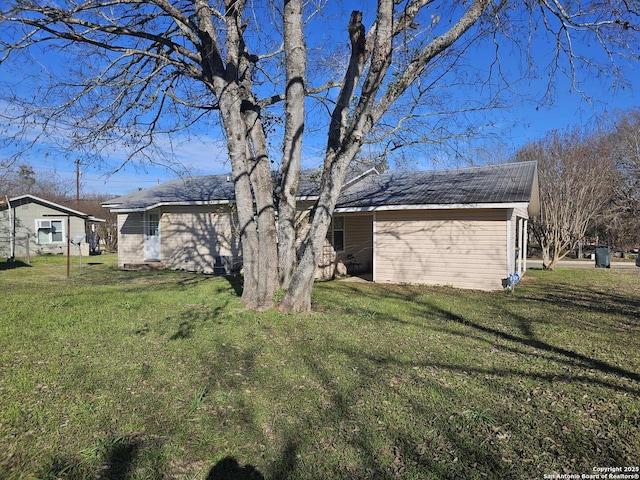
(41, 224)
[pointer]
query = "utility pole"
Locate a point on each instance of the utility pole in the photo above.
(78, 184)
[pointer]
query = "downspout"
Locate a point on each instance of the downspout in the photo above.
(12, 233)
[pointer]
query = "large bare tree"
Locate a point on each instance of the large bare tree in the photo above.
(625, 143)
(140, 69)
(578, 183)
(623, 137)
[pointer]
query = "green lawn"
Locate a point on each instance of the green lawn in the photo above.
(124, 375)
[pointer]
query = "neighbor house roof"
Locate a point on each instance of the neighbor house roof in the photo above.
(488, 186)
(366, 189)
(28, 198)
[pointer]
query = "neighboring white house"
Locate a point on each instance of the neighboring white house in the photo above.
(463, 227)
(30, 225)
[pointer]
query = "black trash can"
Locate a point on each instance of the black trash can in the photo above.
(603, 257)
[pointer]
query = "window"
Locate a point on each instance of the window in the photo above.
(338, 234)
(49, 231)
(153, 224)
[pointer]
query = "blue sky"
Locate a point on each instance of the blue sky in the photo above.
(508, 128)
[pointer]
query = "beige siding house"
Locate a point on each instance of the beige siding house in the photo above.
(187, 224)
(462, 227)
(192, 237)
(30, 225)
(446, 247)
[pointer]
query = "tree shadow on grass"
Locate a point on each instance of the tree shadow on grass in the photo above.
(120, 457)
(117, 455)
(236, 282)
(13, 264)
(128, 458)
(628, 308)
(229, 469)
(531, 341)
(193, 317)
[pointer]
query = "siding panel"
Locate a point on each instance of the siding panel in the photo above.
(463, 248)
(192, 237)
(130, 239)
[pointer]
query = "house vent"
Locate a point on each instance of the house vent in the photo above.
(44, 224)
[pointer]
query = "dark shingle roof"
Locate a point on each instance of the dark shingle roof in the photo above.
(191, 190)
(206, 189)
(502, 183)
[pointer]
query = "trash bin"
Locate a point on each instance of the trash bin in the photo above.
(603, 257)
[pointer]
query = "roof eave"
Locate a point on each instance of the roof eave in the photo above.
(118, 208)
(55, 206)
(431, 206)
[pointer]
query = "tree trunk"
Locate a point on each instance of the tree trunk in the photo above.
(344, 141)
(262, 182)
(295, 60)
(297, 297)
(547, 262)
(231, 82)
(248, 234)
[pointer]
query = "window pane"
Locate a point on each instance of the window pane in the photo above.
(56, 231)
(43, 236)
(153, 223)
(338, 223)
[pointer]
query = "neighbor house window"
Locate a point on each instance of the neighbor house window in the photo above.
(338, 234)
(49, 231)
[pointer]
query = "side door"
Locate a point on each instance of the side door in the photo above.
(152, 236)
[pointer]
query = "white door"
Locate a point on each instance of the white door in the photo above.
(152, 236)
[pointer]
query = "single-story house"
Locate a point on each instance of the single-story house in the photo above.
(30, 225)
(465, 227)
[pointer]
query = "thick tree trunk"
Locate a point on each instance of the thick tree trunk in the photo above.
(297, 297)
(342, 146)
(262, 182)
(295, 60)
(248, 233)
(231, 83)
(223, 80)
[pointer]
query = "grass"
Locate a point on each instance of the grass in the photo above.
(157, 375)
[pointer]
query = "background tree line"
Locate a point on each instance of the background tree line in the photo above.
(589, 187)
